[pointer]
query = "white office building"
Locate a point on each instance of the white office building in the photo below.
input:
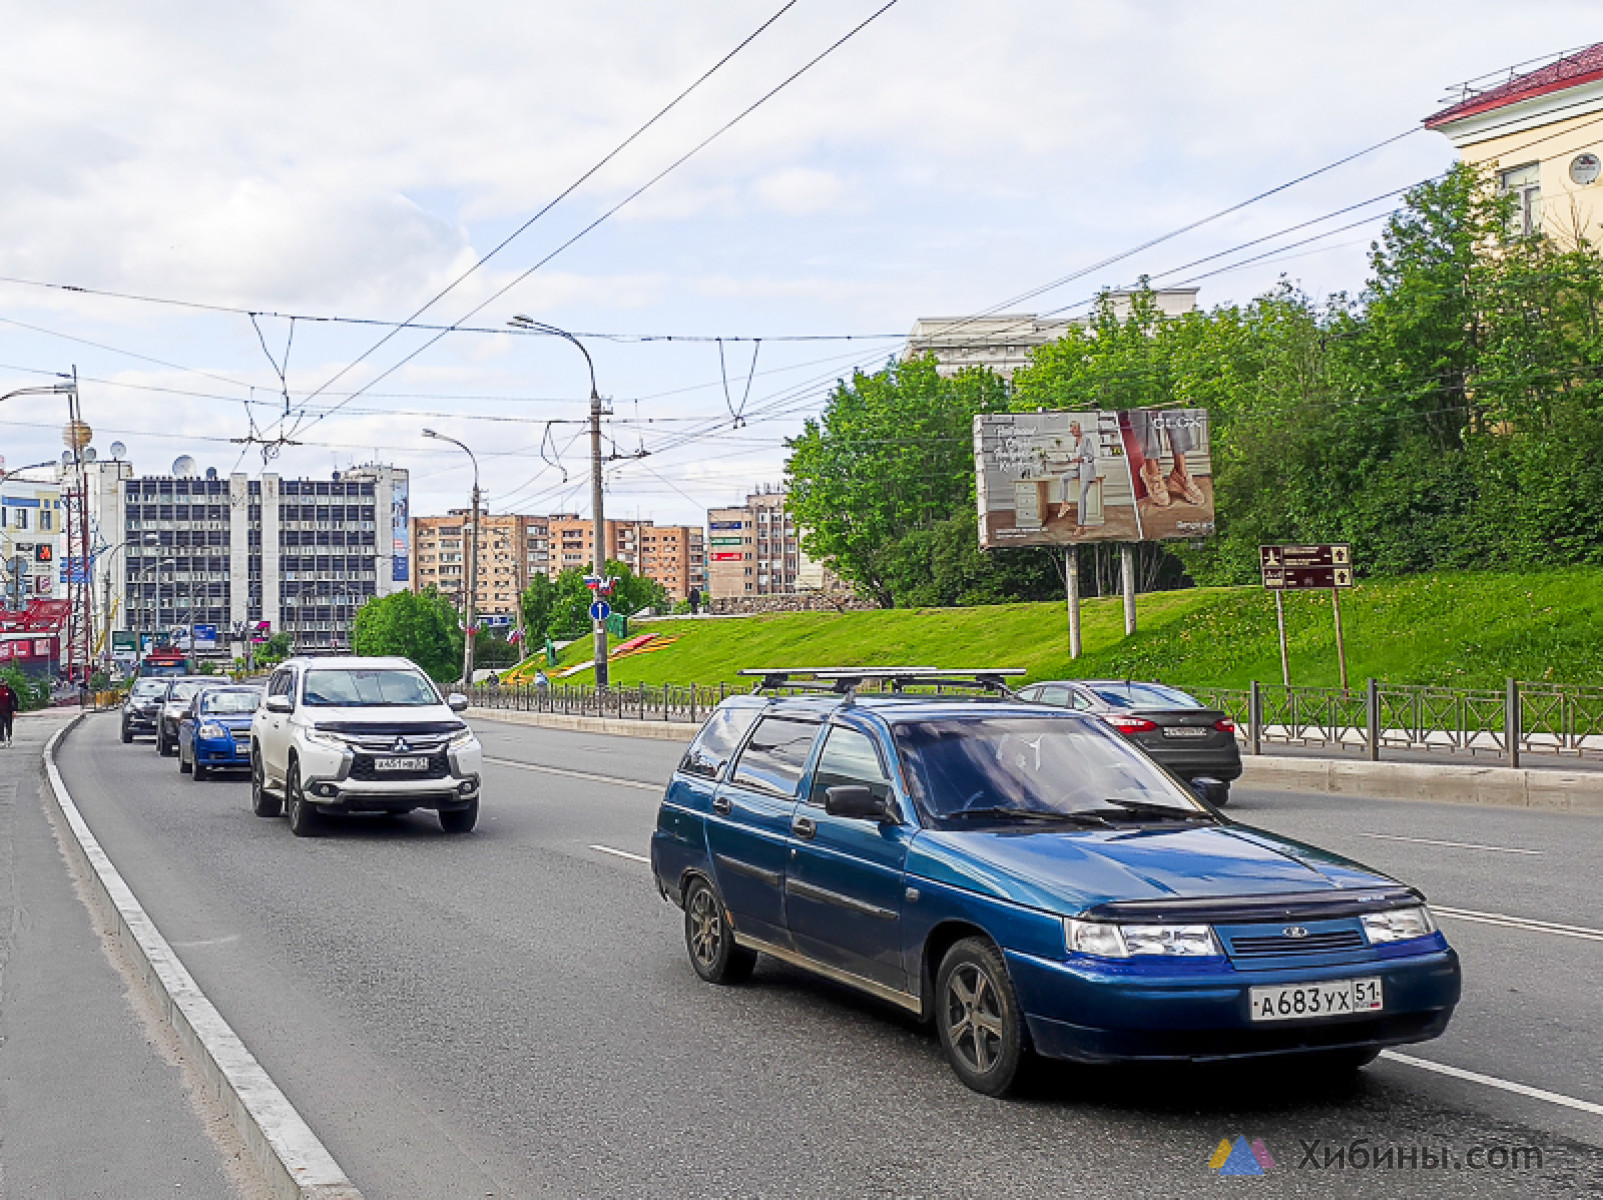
(197, 549)
(31, 521)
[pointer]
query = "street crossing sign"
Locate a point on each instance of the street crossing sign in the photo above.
(1305, 568)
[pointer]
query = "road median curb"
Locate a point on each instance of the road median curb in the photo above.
(295, 1164)
(662, 731)
(1445, 783)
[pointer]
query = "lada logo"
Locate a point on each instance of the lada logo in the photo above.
(1295, 931)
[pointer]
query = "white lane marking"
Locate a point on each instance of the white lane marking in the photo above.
(1393, 837)
(1525, 923)
(629, 854)
(216, 941)
(1519, 1089)
(592, 777)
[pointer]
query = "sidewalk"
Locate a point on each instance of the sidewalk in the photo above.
(93, 1101)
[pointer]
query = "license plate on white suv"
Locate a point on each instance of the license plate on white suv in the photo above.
(400, 764)
(1302, 1001)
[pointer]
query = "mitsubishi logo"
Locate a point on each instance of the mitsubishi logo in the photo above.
(1295, 931)
(401, 746)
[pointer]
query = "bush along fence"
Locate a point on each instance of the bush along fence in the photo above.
(1523, 718)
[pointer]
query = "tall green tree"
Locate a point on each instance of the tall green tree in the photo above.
(422, 626)
(892, 456)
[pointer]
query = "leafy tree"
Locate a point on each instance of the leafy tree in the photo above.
(31, 693)
(536, 605)
(891, 456)
(422, 626)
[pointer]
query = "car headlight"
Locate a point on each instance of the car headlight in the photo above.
(460, 738)
(332, 740)
(1105, 940)
(1398, 924)
(211, 730)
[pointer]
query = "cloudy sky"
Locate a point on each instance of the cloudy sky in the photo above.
(351, 160)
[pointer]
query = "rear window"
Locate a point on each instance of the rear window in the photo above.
(710, 753)
(1144, 695)
(383, 687)
(144, 689)
(776, 755)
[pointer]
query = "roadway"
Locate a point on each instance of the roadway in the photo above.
(512, 1014)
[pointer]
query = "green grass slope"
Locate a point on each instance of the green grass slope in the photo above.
(1464, 630)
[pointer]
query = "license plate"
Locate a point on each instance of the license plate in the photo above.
(400, 764)
(1302, 1001)
(1184, 731)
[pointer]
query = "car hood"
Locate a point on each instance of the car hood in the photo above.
(227, 720)
(380, 720)
(1070, 871)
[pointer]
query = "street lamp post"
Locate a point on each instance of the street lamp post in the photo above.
(471, 606)
(150, 539)
(599, 630)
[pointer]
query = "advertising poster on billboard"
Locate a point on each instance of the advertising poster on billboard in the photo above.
(1063, 478)
(401, 528)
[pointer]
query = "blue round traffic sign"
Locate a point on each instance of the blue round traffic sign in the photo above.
(600, 610)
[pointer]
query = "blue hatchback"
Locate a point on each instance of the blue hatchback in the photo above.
(214, 732)
(1031, 883)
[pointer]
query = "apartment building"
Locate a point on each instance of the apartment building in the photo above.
(31, 521)
(512, 549)
(303, 555)
(673, 555)
(753, 549)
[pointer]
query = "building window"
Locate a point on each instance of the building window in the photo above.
(1525, 185)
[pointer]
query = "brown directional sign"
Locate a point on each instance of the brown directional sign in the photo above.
(1299, 568)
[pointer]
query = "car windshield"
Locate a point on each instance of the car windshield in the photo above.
(183, 689)
(1144, 695)
(381, 687)
(1036, 765)
(230, 702)
(144, 689)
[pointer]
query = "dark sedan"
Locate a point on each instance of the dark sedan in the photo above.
(1179, 731)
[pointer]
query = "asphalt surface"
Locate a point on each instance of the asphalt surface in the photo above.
(512, 1014)
(92, 1099)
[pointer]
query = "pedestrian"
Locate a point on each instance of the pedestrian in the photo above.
(541, 683)
(8, 709)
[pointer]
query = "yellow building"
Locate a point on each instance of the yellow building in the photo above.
(1540, 133)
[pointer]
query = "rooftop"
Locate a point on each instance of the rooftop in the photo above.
(1489, 92)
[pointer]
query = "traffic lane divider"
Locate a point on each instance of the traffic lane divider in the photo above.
(293, 1161)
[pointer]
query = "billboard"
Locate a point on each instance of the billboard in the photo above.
(401, 528)
(1104, 475)
(205, 637)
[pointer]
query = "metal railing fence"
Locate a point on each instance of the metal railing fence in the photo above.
(1552, 719)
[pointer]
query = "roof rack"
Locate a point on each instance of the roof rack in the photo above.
(846, 680)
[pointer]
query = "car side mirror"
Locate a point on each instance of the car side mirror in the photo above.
(278, 704)
(1212, 790)
(457, 702)
(855, 802)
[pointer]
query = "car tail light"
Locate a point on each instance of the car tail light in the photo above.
(1225, 725)
(1129, 725)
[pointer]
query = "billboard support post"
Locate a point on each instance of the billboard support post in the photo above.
(1280, 620)
(1071, 575)
(1127, 578)
(1341, 649)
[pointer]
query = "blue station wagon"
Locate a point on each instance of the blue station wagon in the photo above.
(1029, 882)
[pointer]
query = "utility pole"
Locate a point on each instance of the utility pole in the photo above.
(473, 587)
(599, 628)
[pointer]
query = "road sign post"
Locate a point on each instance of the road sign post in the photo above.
(1304, 569)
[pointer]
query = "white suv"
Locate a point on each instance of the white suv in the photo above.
(338, 735)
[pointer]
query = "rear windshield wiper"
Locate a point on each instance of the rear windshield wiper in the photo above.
(1006, 813)
(1166, 812)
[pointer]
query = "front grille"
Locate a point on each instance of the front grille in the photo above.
(362, 769)
(1279, 945)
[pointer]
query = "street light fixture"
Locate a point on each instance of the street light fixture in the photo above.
(149, 539)
(599, 632)
(470, 607)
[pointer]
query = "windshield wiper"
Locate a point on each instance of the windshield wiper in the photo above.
(1004, 812)
(1167, 812)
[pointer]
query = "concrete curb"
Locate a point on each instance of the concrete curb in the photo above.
(662, 731)
(1562, 791)
(292, 1160)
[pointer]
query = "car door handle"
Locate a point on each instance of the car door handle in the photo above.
(804, 827)
(722, 806)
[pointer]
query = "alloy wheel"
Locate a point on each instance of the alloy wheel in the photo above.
(974, 1018)
(706, 927)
